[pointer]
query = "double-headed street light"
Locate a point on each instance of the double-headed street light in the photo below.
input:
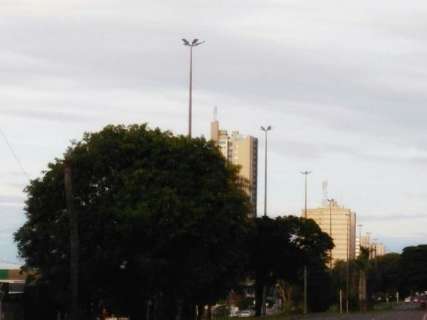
(191, 44)
(265, 129)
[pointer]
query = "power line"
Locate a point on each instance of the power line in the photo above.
(15, 156)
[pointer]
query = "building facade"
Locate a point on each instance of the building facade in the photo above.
(375, 248)
(340, 223)
(241, 151)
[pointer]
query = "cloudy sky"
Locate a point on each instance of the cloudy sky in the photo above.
(341, 82)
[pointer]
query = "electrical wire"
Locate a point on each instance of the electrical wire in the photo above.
(15, 156)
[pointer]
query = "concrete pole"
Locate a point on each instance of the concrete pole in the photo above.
(305, 290)
(265, 174)
(190, 98)
(305, 173)
(330, 228)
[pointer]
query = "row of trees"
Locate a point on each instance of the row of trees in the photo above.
(382, 277)
(163, 229)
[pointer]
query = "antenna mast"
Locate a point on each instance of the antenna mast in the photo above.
(325, 192)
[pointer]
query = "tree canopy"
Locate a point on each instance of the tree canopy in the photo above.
(279, 249)
(162, 219)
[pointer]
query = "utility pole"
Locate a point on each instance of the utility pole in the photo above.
(305, 173)
(74, 242)
(191, 44)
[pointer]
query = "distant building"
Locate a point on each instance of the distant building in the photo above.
(365, 241)
(357, 253)
(379, 249)
(340, 224)
(376, 249)
(242, 151)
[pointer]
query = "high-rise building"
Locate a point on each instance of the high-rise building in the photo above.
(357, 253)
(242, 151)
(379, 249)
(340, 223)
(374, 248)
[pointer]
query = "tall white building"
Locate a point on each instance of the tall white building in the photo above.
(242, 151)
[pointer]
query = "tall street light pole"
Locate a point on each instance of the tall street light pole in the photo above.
(305, 173)
(191, 44)
(347, 278)
(360, 238)
(330, 201)
(265, 129)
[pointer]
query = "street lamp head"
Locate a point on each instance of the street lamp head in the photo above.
(197, 42)
(193, 43)
(266, 129)
(305, 172)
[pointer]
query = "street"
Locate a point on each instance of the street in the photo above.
(403, 312)
(391, 315)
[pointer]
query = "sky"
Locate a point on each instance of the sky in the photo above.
(342, 83)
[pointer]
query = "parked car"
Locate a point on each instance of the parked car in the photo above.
(245, 313)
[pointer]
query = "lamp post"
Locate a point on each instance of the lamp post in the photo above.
(265, 129)
(347, 278)
(305, 173)
(191, 44)
(330, 201)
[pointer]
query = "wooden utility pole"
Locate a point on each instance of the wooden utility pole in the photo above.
(74, 242)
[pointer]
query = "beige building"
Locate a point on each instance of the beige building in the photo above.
(340, 224)
(357, 253)
(375, 248)
(242, 151)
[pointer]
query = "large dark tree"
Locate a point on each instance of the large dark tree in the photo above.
(279, 250)
(384, 277)
(413, 267)
(162, 223)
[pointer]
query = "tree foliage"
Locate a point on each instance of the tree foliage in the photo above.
(280, 248)
(162, 219)
(414, 266)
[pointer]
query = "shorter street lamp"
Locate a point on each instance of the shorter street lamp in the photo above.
(265, 129)
(331, 201)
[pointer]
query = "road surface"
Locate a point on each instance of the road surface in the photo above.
(404, 312)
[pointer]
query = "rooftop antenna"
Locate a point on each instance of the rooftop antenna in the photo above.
(325, 191)
(215, 113)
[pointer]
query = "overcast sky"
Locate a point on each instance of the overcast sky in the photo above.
(342, 83)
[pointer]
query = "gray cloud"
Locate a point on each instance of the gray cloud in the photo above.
(342, 83)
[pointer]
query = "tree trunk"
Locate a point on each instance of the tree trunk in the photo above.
(259, 296)
(209, 312)
(200, 311)
(362, 291)
(189, 311)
